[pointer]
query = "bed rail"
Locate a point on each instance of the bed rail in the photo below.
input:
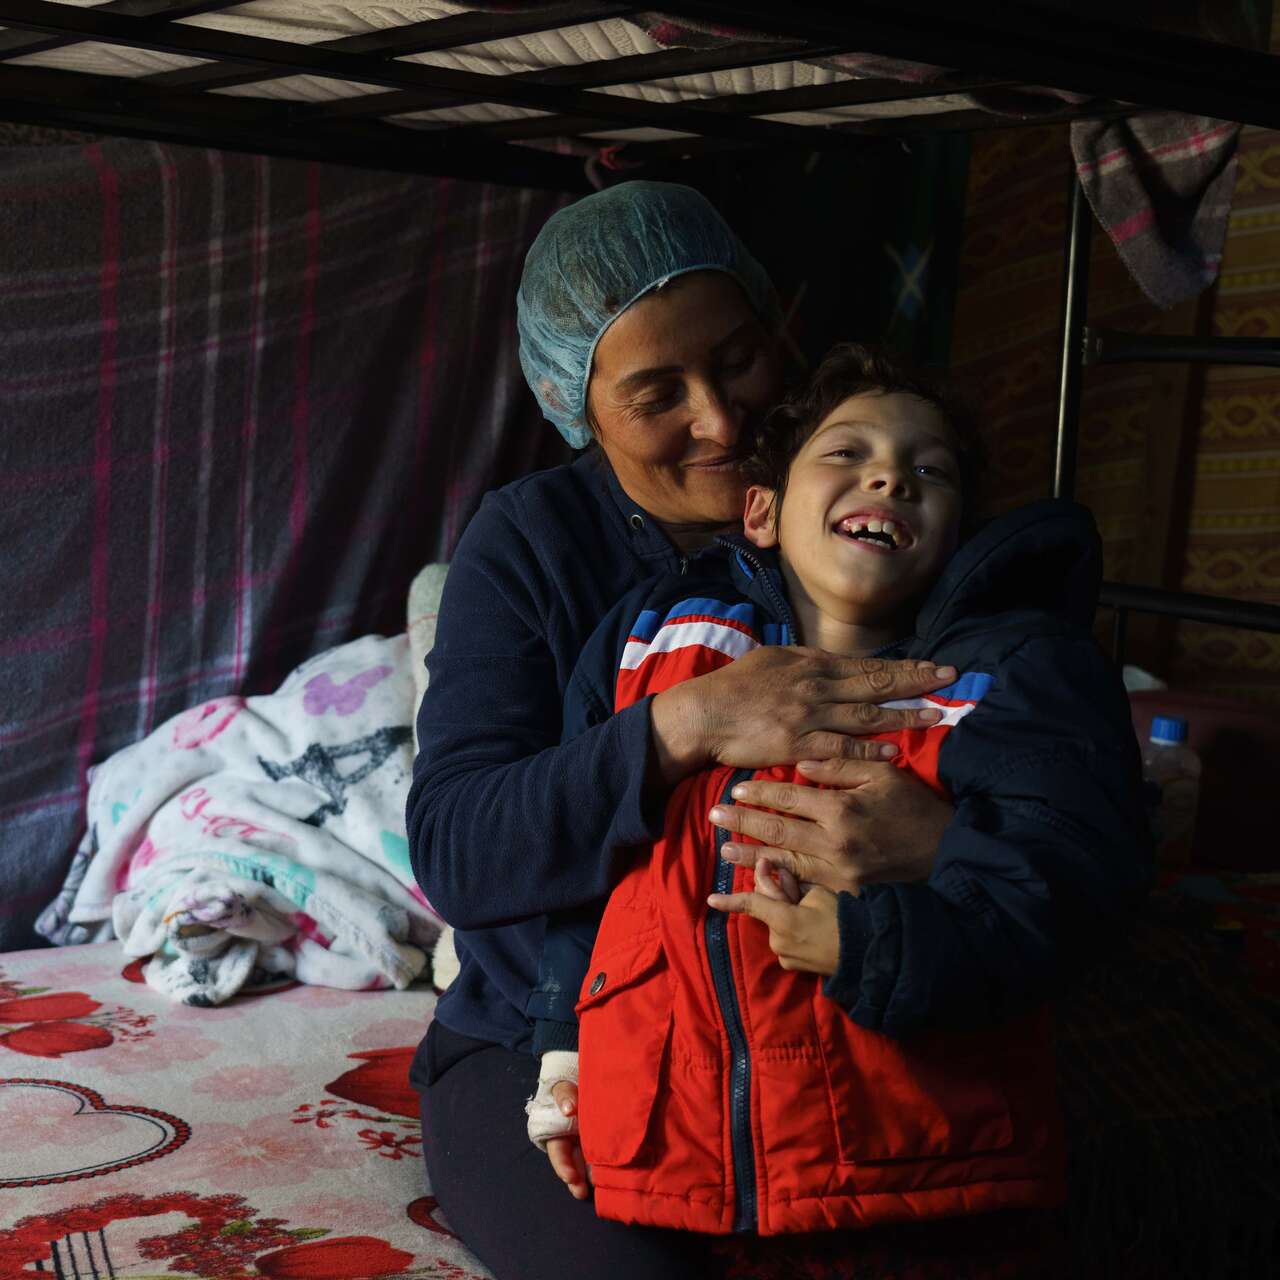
(1112, 346)
(1185, 606)
(1083, 346)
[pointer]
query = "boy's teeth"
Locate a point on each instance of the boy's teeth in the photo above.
(889, 529)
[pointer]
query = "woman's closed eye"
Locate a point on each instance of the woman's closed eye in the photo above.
(656, 399)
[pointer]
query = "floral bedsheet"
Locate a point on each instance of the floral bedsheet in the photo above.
(276, 1135)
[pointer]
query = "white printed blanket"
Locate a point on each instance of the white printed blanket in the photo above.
(251, 841)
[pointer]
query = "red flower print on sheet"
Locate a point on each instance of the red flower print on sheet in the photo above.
(381, 1080)
(48, 1024)
(220, 1236)
(53, 1039)
(227, 1251)
(387, 1145)
(339, 1258)
(217, 1252)
(423, 1211)
(217, 1236)
(54, 1007)
(200, 725)
(383, 1141)
(380, 1086)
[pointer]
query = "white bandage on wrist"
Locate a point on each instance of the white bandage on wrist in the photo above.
(546, 1120)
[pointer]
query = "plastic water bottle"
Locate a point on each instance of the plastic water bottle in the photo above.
(1174, 767)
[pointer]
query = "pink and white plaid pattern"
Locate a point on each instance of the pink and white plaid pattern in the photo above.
(244, 401)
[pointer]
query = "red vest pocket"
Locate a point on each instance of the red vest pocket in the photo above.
(625, 1027)
(937, 1094)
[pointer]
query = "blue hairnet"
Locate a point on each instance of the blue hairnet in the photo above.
(593, 259)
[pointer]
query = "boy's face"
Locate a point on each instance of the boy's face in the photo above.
(871, 511)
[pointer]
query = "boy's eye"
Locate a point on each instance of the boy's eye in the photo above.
(933, 472)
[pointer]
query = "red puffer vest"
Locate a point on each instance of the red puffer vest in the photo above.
(720, 1092)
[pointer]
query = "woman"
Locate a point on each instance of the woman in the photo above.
(646, 327)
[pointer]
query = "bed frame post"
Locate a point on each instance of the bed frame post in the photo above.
(1075, 304)
(1119, 635)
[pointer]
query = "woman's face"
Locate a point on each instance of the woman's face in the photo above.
(678, 383)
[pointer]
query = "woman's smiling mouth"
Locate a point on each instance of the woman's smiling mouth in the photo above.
(725, 462)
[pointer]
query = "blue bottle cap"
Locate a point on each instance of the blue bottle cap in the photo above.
(1168, 729)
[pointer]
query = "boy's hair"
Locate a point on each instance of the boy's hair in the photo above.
(851, 369)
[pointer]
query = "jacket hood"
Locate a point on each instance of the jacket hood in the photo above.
(1046, 556)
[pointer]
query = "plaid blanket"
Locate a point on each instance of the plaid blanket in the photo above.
(245, 400)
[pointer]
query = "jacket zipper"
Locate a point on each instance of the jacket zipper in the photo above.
(745, 1208)
(745, 1216)
(781, 610)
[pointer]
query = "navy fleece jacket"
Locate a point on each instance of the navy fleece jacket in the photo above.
(505, 821)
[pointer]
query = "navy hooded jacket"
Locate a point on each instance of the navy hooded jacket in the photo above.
(1048, 851)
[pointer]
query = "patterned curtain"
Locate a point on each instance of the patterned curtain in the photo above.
(245, 400)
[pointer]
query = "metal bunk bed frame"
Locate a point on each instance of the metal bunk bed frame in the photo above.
(1000, 43)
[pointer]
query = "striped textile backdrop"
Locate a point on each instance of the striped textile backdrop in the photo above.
(1005, 351)
(243, 400)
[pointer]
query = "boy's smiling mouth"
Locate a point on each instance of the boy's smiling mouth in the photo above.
(875, 529)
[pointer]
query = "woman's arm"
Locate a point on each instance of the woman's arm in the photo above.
(505, 821)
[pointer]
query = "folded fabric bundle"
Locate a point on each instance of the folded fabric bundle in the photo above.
(254, 840)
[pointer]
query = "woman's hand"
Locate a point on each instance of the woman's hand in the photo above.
(881, 824)
(780, 705)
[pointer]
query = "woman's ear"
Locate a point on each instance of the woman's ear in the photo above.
(758, 523)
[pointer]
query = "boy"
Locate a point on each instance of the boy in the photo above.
(889, 1061)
